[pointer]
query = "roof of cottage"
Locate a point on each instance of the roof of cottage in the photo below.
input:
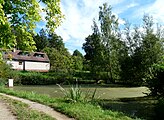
(19, 55)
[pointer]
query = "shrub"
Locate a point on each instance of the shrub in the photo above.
(36, 78)
(5, 70)
(156, 82)
(2, 82)
(5, 73)
(159, 110)
(89, 76)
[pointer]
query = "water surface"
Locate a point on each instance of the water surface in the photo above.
(101, 92)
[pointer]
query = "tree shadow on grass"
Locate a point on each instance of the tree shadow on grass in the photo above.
(142, 107)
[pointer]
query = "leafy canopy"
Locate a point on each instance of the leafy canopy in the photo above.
(18, 20)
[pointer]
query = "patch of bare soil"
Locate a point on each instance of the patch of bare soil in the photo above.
(5, 113)
(41, 108)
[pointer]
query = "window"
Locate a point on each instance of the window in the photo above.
(24, 53)
(39, 55)
(20, 63)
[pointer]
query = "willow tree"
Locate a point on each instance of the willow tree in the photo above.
(18, 19)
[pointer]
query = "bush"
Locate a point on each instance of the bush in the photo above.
(156, 82)
(87, 75)
(2, 82)
(33, 78)
(5, 73)
(36, 78)
(159, 110)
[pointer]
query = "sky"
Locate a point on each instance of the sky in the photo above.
(79, 15)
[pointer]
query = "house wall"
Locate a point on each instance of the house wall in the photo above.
(37, 66)
(15, 65)
(30, 66)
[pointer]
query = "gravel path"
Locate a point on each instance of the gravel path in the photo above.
(39, 107)
(5, 113)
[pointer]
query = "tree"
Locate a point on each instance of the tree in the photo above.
(131, 61)
(59, 62)
(77, 53)
(77, 63)
(155, 82)
(145, 49)
(93, 48)
(18, 21)
(56, 42)
(78, 60)
(41, 40)
(111, 40)
(103, 48)
(88, 48)
(7, 39)
(152, 46)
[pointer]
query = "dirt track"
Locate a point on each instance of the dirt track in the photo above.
(33, 105)
(5, 113)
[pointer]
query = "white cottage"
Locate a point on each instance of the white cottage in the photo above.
(34, 61)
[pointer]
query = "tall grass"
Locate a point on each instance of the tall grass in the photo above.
(75, 94)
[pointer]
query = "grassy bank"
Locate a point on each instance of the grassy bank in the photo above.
(78, 110)
(23, 111)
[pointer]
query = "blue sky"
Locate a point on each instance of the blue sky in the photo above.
(79, 16)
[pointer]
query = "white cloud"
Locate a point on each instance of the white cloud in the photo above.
(131, 5)
(79, 16)
(157, 10)
(121, 21)
(154, 8)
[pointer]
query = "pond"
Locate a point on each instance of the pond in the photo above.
(102, 92)
(115, 98)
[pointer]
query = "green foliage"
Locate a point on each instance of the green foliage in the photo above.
(41, 40)
(159, 110)
(93, 46)
(34, 78)
(155, 81)
(6, 73)
(7, 39)
(78, 60)
(144, 49)
(2, 81)
(18, 21)
(77, 63)
(56, 42)
(60, 60)
(54, 15)
(128, 55)
(75, 94)
(103, 48)
(78, 53)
